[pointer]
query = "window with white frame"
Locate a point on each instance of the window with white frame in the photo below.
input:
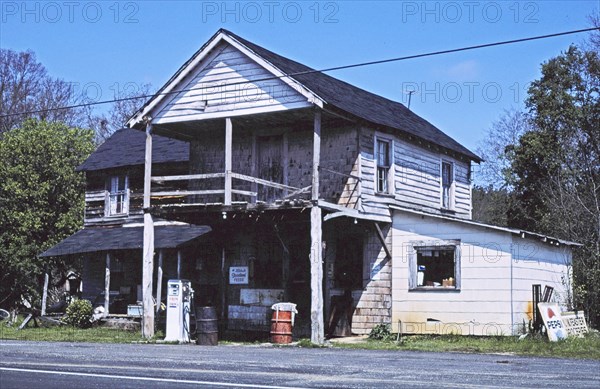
(118, 196)
(382, 155)
(435, 267)
(447, 185)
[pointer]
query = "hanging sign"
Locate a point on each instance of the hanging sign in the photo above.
(238, 275)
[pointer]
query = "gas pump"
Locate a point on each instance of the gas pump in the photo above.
(179, 300)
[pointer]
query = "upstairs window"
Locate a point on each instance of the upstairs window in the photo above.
(118, 196)
(447, 184)
(382, 155)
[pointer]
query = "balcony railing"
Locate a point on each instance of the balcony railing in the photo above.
(198, 189)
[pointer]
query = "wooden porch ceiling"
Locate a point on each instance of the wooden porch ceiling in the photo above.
(295, 119)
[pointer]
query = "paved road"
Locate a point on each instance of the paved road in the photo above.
(85, 365)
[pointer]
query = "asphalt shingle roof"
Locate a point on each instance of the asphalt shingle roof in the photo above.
(126, 147)
(88, 240)
(357, 101)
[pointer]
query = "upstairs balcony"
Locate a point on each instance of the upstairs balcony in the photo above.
(262, 162)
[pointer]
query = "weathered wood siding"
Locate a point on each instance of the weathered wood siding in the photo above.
(229, 82)
(96, 194)
(415, 177)
(374, 302)
(283, 155)
(495, 287)
(339, 151)
(371, 202)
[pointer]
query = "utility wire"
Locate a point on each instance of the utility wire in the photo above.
(397, 59)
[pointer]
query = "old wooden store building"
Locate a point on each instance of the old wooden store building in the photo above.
(262, 180)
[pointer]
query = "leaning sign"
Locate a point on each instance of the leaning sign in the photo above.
(574, 323)
(561, 325)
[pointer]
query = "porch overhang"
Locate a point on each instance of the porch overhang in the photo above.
(342, 211)
(89, 240)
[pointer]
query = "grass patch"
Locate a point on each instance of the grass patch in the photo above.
(72, 334)
(585, 348)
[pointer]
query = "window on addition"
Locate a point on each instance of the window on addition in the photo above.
(435, 267)
(447, 181)
(118, 197)
(382, 154)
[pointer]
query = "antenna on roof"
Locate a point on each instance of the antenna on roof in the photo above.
(410, 93)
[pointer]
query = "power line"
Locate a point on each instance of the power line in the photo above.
(360, 64)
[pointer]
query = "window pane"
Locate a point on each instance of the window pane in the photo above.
(118, 195)
(435, 267)
(382, 174)
(446, 174)
(383, 153)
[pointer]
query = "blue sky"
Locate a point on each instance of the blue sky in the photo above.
(106, 45)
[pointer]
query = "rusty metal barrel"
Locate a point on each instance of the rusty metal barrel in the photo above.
(207, 328)
(282, 322)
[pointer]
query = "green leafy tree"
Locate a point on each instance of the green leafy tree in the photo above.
(555, 167)
(41, 201)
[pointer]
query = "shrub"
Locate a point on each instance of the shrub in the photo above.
(79, 314)
(382, 331)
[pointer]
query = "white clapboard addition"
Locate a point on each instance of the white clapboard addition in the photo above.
(496, 271)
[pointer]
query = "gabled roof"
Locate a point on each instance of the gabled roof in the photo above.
(339, 94)
(126, 147)
(359, 102)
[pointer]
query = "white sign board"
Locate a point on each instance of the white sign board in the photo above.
(574, 323)
(553, 321)
(238, 275)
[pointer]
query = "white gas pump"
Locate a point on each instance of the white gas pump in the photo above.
(179, 300)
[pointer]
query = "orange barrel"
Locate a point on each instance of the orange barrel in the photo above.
(281, 327)
(207, 329)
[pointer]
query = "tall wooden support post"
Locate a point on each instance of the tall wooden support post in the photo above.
(228, 159)
(285, 161)
(45, 293)
(317, 335)
(159, 277)
(254, 168)
(107, 285)
(148, 260)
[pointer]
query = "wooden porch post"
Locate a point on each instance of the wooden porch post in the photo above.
(148, 259)
(107, 285)
(285, 162)
(228, 160)
(159, 276)
(254, 168)
(45, 293)
(316, 237)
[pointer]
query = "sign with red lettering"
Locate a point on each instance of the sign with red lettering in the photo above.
(553, 321)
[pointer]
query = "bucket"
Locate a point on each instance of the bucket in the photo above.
(281, 327)
(207, 329)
